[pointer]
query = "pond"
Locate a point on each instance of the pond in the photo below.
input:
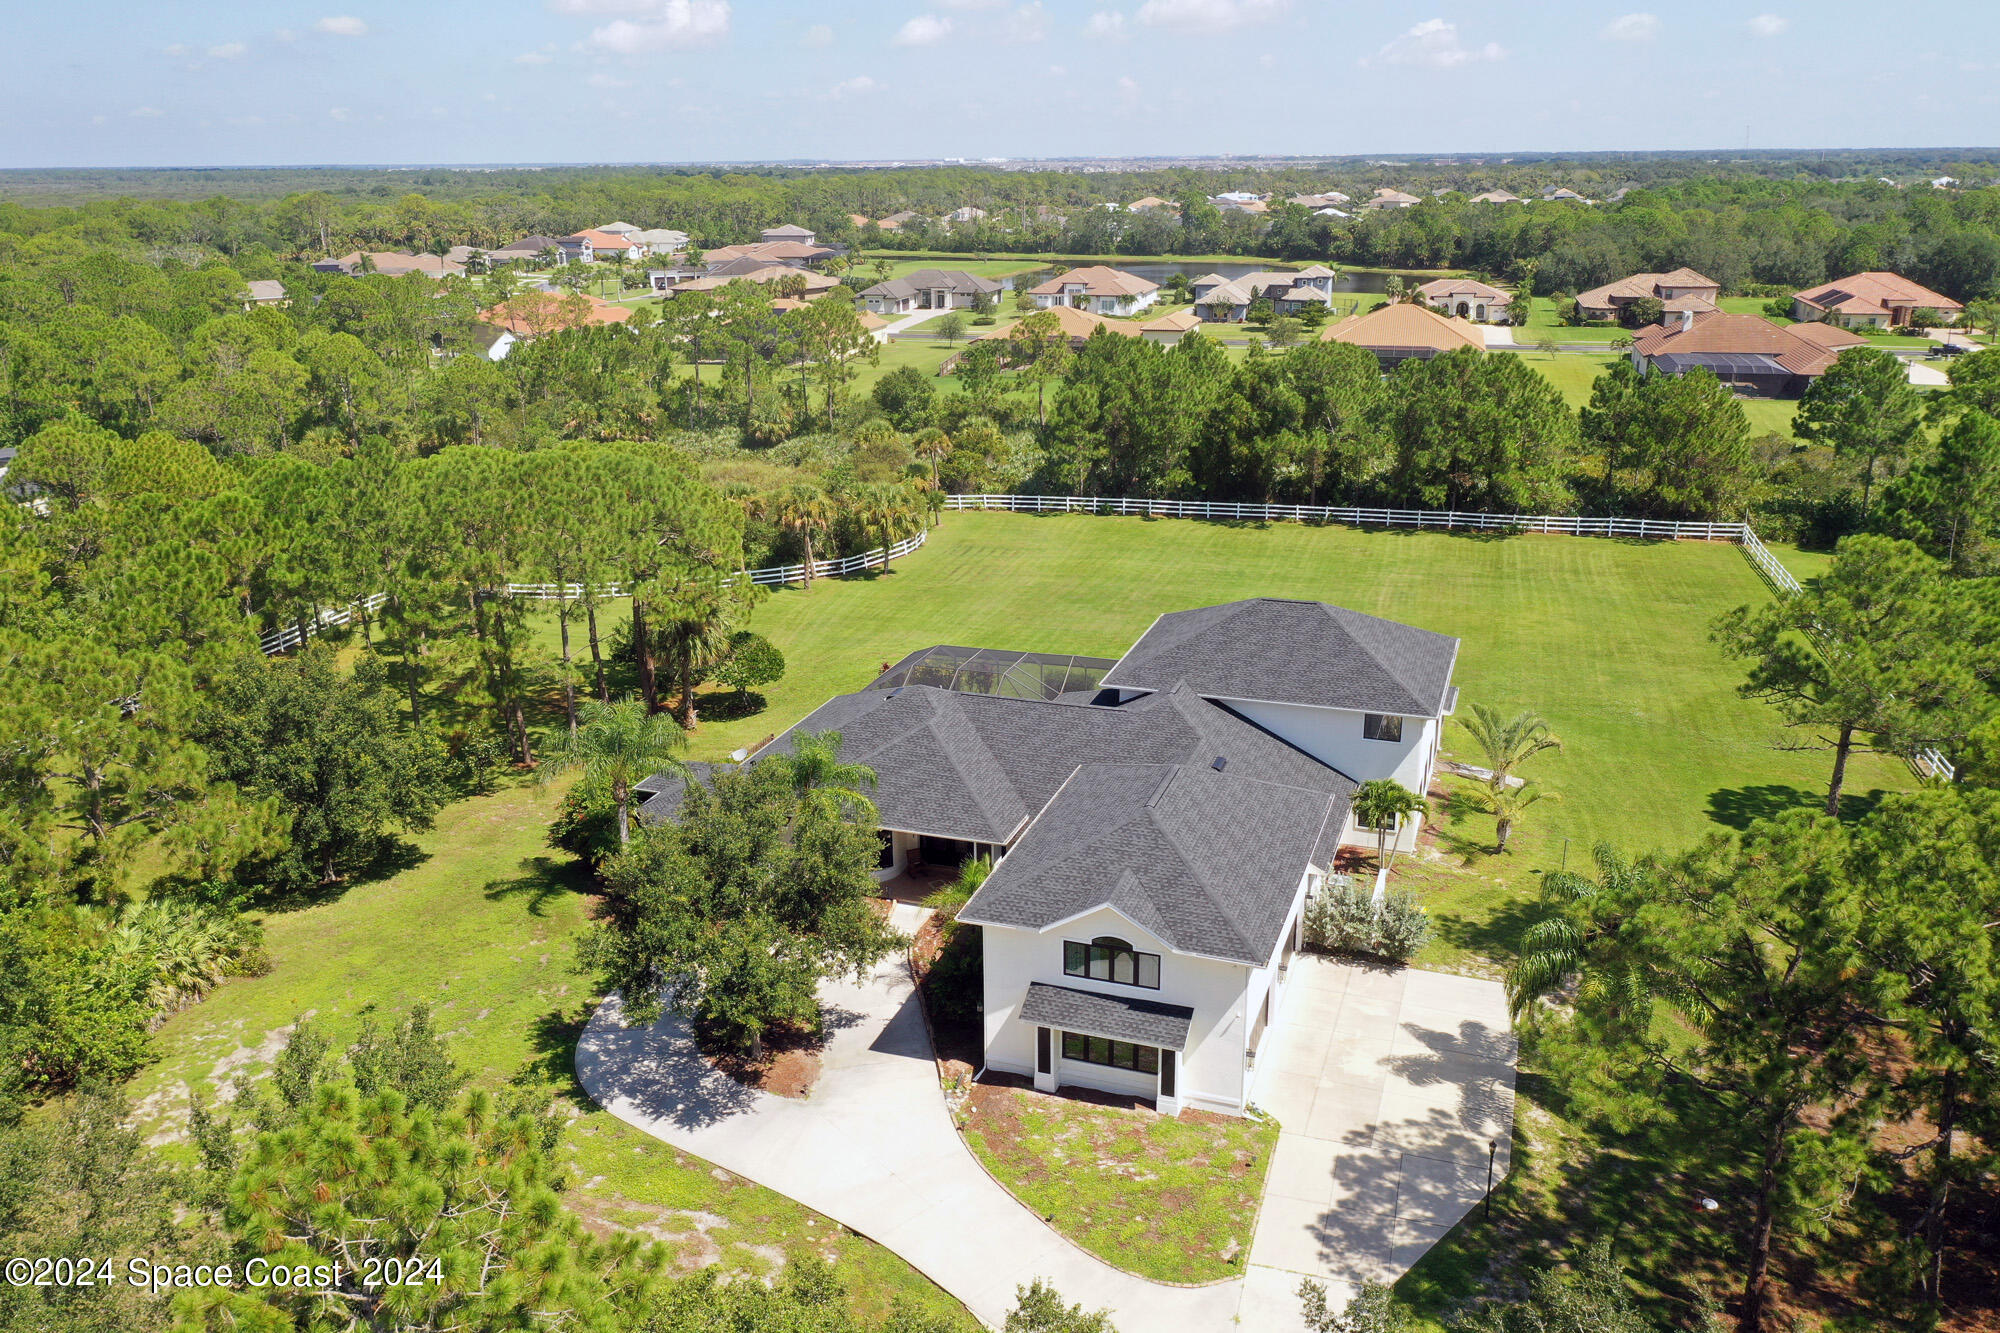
(1159, 270)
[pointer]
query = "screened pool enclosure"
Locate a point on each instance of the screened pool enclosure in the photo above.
(993, 671)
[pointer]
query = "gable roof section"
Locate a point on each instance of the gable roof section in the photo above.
(1280, 651)
(1097, 280)
(789, 231)
(1119, 1017)
(978, 766)
(1208, 862)
(1440, 289)
(1720, 334)
(1641, 285)
(1405, 325)
(1873, 293)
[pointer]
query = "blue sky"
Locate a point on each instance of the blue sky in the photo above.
(97, 83)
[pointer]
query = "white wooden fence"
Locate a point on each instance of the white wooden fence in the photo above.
(1928, 761)
(287, 637)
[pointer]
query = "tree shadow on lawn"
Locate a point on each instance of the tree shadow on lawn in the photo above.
(545, 879)
(397, 855)
(1496, 936)
(1740, 807)
(553, 1037)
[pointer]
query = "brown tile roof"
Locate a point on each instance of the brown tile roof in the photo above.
(1443, 289)
(815, 283)
(1641, 285)
(779, 251)
(508, 315)
(602, 240)
(1180, 321)
(1405, 324)
(1150, 201)
(1826, 335)
(1875, 293)
(1097, 280)
(1079, 324)
(1718, 333)
(396, 264)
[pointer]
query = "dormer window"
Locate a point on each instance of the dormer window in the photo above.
(1108, 958)
(1382, 727)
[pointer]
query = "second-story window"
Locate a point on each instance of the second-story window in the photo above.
(1108, 958)
(1382, 727)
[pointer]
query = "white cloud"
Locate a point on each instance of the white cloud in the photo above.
(657, 25)
(1769, 25)
(227, 50)
(339, 113)
(602, 80)
(853, 87)
(1105, 23)
(147, 112)
(533, 58)
(1057, 71)
(284, 35)
(1029, 23)
(817, 35)
(1437, 44)
(972, 4)
(1207, 15)
(1632, 28)
(177, 49)
(923, 30)
(342, 25)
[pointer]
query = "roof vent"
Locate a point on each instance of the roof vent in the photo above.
(1221, 762)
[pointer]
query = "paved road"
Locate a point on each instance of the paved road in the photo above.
(874, 1147)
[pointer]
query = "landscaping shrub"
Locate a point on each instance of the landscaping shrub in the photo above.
(1343, 920)
(585, 826)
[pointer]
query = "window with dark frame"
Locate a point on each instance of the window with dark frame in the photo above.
(1111, 1054)
(1382, 727)
(1108, 958)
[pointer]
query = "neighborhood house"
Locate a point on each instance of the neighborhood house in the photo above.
(929, 289)
(1227, 300)
(1871, 300)
(1752, 355)
(1682, 290)
(1405, 331)
(1467, 298)
(1101, 290)
(1159, 822)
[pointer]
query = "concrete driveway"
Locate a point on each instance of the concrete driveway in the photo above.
(1390, 1085)
(1376, 1162)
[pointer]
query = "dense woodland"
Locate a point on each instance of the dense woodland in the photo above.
(1806, 1018)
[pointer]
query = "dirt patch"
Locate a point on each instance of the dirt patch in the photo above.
(788, 1067)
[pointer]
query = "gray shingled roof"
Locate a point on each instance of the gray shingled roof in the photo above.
(978, 766)
(1121, 1018)
(1208, 862)
(664, 793)
(1282, 651)
(929, 279)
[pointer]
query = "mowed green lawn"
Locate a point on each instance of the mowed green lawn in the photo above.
(1574, 373)
(1607, 639)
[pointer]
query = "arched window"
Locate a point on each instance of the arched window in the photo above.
(1108, 958)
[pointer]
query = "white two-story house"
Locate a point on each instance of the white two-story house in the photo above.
(1157, 823)
(1100, 290)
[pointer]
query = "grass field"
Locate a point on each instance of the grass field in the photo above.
(1607, 639)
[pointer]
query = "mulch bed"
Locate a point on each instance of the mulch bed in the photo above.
(788, 1068)
(959, 1042)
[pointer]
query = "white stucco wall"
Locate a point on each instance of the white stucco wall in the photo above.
(1211, 1075)
(1334, 736)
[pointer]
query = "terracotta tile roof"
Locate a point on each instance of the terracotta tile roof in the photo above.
(1097, 280)
(1875, 293)
(1443, 289)
(777, 251)
(1079, 324)
(395, 264)
(601, 240)
(1180, 321)
(1718, 333)
(1823, 334)
(815, 283)
(1641, 285)
(1405, 324)
(507, 315)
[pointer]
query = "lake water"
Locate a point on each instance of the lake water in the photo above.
(1157, 270)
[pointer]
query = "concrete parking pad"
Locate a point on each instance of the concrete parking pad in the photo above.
(1389, 1085)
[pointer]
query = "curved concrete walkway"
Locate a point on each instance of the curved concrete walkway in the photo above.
(1391, 1084)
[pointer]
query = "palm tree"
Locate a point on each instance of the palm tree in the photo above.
(803, 508)
(1552, 949)
(619, 745)
(694, 629)
(932, 444)
(1507, 743)
(1380, 804)
(1506, 805)
(824, 782)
